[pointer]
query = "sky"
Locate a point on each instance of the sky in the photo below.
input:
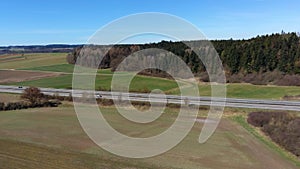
(34, 22)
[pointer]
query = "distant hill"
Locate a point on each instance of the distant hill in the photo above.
(53, 48)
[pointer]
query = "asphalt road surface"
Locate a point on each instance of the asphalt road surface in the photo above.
(160, 98)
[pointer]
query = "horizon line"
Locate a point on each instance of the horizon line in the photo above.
(141, 43)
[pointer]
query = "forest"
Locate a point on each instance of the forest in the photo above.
(267, 59)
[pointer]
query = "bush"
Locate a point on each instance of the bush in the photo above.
(204, 77)
(258, 119)
(105, 102)
(15, 105)
(33, 95)
(2, 106)
(262, 78)
(281, 127)
(235, 78)
(289, 80)
(58, 97)
(34, 98)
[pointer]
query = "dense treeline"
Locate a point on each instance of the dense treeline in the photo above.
(265, 53)
(268, 58)
(54, 48)
(281, 127)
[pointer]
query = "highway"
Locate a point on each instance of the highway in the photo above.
(159, 98)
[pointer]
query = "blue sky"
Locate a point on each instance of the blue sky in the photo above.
(72, 22)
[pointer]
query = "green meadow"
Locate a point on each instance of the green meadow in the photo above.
(56, 62)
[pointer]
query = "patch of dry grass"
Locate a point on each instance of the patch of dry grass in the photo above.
(6, 97)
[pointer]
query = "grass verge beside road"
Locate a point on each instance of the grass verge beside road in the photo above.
(249, 91)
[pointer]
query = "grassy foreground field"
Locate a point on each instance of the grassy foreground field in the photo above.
(53, 138)
(16, 154)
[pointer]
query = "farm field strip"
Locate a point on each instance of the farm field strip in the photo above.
(32, 59)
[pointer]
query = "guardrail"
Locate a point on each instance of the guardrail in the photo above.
(145, 97)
